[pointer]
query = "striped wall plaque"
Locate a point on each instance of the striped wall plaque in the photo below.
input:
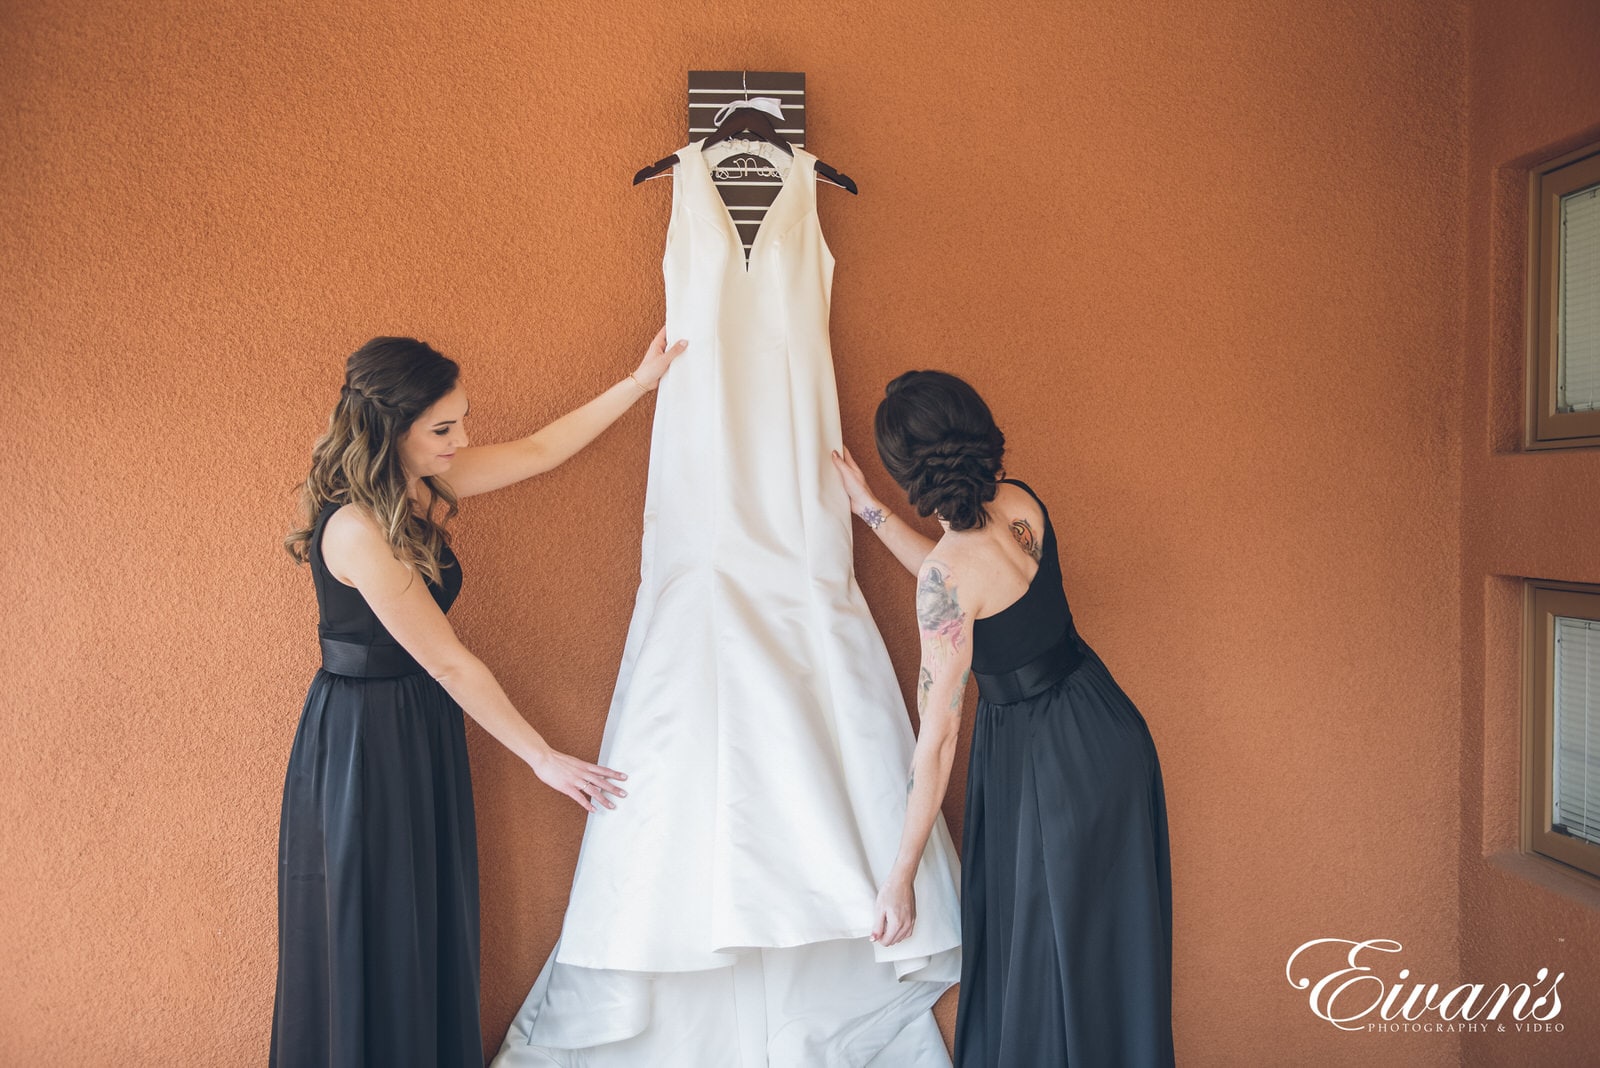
(746, 182)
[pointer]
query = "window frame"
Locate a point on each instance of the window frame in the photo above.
(1544, 601)
(1546, 427)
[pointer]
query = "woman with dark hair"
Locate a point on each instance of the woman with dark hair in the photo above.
(1066, 890)
(377, 854)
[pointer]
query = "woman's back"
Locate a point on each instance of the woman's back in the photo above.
(1035, 623)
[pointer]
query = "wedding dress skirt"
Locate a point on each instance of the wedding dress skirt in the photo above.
(719, 915)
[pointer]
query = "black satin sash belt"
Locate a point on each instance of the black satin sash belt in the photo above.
(1036, 676)
(363, 661)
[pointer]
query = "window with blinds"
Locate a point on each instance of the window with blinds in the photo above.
(1575, 785)
(1564, 376)
(1562, 786)
(1578, 303)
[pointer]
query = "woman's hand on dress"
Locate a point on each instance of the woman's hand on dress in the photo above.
(855, 483)
(657, 360)
(895, 912)
(580, 780)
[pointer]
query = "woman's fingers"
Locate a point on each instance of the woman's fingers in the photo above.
(847, 466)
(595, 792)
(891, 927)
(895, 912)
(594, 783)
(674, 352)
(605, 778)
(657, 359)
(842, 467)
(587, 784)
(578, 796)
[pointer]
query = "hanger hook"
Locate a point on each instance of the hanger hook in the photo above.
(744, 81)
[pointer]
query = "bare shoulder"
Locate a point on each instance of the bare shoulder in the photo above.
(353, 546)
(940, 577)
(1022, 516)
(950, 555)
(1012, 501)
(351, 526)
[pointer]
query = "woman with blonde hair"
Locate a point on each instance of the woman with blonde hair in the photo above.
(377, 861)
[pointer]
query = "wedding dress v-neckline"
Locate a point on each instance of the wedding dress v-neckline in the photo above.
(730, 226)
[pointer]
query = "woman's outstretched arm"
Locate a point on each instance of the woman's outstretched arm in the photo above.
(909, 545)
(481, 468)
(946, 631)
(358, 554)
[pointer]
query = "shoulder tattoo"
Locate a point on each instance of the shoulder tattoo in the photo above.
(1023, 533)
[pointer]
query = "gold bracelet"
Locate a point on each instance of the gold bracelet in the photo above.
(637, 385)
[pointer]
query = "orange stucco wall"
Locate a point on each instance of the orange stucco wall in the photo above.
(1533, 96)
(1208, 268)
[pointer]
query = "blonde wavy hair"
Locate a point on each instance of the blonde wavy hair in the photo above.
(388, 383)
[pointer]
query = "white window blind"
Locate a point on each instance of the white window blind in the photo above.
(1576, 789)
(1578, 313)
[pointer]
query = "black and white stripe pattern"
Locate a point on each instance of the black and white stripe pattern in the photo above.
(748, 195)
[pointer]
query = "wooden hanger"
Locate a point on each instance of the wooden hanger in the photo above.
(756, 125)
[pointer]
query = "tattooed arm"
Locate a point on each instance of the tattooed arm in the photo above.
(946, 630)
(909, 545)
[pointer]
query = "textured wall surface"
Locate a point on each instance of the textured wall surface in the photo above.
(1207, 267)
(1532, 97)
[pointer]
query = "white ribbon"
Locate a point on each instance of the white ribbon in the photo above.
(769, 104)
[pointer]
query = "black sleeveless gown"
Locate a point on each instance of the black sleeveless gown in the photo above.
(1066, 885)
(377, 854)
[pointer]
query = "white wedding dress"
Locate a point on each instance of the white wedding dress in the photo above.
(719, 915)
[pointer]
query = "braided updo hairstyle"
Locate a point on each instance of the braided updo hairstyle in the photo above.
(388, 383)
(938, 441)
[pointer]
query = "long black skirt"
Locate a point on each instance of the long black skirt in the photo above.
(1066, 884)
(377, 881)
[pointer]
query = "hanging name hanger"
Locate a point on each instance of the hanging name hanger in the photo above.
(752, 119)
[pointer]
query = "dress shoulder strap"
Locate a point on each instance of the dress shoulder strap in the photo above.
(1043, 508)
(1029, 489)
(318, 565)
(328, 508)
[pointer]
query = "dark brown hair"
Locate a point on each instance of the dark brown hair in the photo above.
(938, 440)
